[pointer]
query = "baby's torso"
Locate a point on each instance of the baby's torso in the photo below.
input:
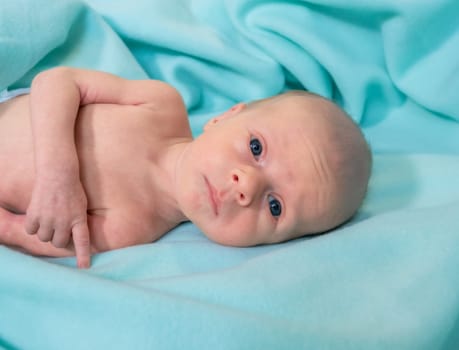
(115, 144)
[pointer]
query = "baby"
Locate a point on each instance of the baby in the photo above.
(92, 162)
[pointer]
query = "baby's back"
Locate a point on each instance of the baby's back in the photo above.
(16, 154)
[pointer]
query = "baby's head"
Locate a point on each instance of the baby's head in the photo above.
(275, 169)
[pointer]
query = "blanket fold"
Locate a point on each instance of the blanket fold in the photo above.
(380, 60)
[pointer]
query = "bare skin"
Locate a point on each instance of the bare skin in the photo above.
(127, 148)
(92, 162)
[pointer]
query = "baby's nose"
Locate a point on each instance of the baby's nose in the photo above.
(248, 184)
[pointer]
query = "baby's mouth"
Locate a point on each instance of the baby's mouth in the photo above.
(213, 199)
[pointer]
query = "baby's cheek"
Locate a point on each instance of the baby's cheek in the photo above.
(234, 226)
(191, 200)
(245, 233)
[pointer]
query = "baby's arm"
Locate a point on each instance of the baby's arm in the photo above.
(117, 230)
(58, 206)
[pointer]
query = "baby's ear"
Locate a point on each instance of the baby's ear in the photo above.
(228, 114)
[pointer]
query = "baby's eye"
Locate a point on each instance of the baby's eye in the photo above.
(255, 147)
(275, 207)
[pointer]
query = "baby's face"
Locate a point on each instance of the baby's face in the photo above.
(257, 176)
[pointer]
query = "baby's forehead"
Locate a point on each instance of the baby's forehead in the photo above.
(300, 113)
(299, 133)
(304, 223)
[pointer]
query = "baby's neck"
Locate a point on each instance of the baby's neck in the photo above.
(164, 180)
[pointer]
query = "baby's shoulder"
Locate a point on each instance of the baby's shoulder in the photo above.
(163, 97)
(167, 112)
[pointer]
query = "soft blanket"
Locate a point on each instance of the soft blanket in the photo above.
(386, 280)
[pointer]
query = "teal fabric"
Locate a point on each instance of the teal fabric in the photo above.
(386, 280)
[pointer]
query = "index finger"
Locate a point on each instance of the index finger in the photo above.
(82, 244)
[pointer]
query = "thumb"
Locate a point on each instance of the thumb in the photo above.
(82, 244)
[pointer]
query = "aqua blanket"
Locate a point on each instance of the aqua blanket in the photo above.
(387, 280)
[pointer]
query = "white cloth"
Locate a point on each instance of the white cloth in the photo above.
(6, 95)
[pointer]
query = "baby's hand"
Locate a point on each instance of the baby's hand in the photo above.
(57, 212)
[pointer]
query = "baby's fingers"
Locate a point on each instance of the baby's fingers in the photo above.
(61, 238)
(81, 242)
(45, 233)
(31, 225)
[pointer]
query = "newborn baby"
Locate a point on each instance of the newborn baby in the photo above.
(92, 162)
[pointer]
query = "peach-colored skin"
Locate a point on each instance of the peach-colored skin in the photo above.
(92, 162)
